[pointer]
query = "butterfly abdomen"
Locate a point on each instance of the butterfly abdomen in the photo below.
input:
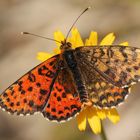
(72, 64)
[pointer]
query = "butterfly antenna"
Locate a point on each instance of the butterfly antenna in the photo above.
(27, 33)
(76, 21)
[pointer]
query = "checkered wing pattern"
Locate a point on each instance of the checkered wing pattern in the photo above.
(108, 71)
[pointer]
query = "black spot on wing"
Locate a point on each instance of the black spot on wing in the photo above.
(43, 91)
(31, 77)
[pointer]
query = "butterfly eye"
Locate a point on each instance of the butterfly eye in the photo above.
(62, 46)
(69, 44)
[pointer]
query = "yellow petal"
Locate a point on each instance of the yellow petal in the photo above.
(124, 44)
(81, 120)
(93, 39)
(42, 56)
(76, 39)
(101, 113)
(93, 120)
(59, 37)
(113, 115)
(108, 39)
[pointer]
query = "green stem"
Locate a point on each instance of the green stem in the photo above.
(103, 134)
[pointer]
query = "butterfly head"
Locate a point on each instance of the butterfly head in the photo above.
(65, 45)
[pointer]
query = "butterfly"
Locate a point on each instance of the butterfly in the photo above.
(61, 86)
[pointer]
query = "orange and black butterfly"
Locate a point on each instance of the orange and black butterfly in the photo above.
(61, 86)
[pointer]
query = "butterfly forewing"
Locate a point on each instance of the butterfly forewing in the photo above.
(119, 65)
(30, 93)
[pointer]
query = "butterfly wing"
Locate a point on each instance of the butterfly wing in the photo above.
(64, 101)
(30, 93)
(119, 65)
(105, 89)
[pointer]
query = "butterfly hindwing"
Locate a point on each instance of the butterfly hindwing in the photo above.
(64, 101)
(119, 65)
(105, 95)
(29, 94)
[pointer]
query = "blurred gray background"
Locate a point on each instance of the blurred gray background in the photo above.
(18, 55)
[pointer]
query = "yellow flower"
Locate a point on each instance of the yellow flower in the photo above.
(91, 114)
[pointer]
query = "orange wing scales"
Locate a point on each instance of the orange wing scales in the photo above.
(64, 101)
(29, 94)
